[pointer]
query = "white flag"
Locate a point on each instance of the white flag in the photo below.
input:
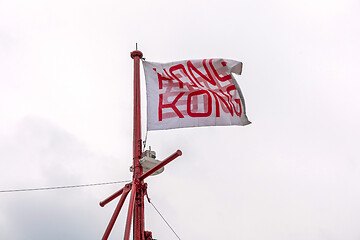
(194, 93)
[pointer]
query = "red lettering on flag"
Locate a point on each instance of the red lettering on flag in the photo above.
(207, 103)
(171, 105)
(237, 100)
(224, 78)
(207, 78)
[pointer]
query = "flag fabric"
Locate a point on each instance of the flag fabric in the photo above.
(193, 93)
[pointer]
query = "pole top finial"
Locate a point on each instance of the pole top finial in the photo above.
(136, 53)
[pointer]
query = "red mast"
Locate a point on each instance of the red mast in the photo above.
(137, 187)
(140, 187)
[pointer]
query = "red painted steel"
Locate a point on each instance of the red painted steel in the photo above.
(112, 197)
(130, 212)
(139, 221)
(139, 217)
(138, 187)
(137, 142)
(126, 191)
(161, 164)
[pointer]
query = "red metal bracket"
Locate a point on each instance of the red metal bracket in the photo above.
(160, 165)
(113, 196)
(124, 191)
(148, 235)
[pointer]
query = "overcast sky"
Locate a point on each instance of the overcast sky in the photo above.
(66, 118)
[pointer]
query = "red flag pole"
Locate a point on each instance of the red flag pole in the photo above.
(138, 187)
(138, 219)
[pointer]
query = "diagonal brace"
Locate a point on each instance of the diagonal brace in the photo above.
(125, 191)
(112, 197)
(130, 212)
(160, 165)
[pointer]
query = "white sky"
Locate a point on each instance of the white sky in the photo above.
(66, 118)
